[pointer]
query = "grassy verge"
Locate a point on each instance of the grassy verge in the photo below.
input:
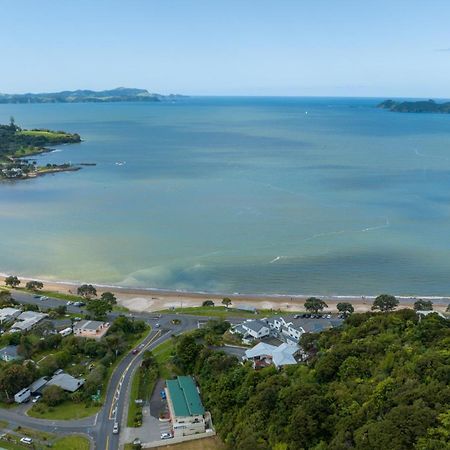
(163, 354)
(72, 443)
(67, 410)
(223, 312)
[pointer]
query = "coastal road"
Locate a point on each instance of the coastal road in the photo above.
(99, 427)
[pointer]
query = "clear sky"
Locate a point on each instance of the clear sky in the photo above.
(228, 47)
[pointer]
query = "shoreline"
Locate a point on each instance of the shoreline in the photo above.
(153, 299)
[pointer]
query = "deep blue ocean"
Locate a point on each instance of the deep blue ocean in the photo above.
(249, 195)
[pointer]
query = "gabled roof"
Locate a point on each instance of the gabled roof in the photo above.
(255, 325)
(66, 382)
(260, 349)
(184, 396)
(282, 355)
(10, 351)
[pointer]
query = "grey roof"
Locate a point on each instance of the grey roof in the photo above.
(10, 351)
(37, 385)
(281, 356)
(88, 325)
(255, 325)
(66, 382)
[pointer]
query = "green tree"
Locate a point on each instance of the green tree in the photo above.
(87, 291)
(53, 395)
(98, 308)
(12, 281)
(109, 297)
(14, 378)
(226, 301)
(208, 303)
(34, 285)
(186, 352)
(423, 305)
(315, 305)
(345, 308)
(385, 302)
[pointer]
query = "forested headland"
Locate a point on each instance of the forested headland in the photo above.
(17, 143)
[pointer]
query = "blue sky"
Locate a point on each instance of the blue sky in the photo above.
(228, 47)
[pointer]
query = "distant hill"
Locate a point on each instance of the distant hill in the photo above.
(120, 94)
(421, 106)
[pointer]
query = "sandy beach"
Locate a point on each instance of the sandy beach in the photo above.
(136, 299)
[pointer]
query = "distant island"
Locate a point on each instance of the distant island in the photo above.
(120, 94)
(421, 106)
(17, 144)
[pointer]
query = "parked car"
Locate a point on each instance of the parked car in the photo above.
(44, 297)
(69, 303)
(26, 440)
(163, 395)
(328, 316)
(157, 325)
(137, 441)
(116, 428)
(36, 296)
(297, 316)
(166, 436)
(37, 398)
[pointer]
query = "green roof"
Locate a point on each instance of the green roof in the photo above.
(184, 396)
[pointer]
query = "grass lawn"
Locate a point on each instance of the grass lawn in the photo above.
(65, 411)
(223, 312)
(162, 354)
(72, 443)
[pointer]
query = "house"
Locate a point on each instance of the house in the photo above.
(291, 329)
(38, 385)
(66, 382)
(90, 329)
(187, 413)
(264, 354)
(252, 329)
(9, 353)
(8, 314)
(22, 396)
(27, 320)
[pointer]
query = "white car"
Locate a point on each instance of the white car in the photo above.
(36, 399)
(166, 436)
(116, 428)
(26, 440)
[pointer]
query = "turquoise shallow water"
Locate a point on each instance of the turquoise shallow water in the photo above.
(250, 195)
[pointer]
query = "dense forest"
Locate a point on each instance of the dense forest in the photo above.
(381, 381)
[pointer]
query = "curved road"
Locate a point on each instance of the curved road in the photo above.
(99, 427)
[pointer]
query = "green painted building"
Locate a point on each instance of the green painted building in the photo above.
(185, 406)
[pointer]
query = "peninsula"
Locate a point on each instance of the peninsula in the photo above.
(16, 144)
(120, 94)
(421, 106)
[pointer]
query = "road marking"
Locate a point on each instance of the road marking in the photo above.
(112, 410)
(107, 443)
